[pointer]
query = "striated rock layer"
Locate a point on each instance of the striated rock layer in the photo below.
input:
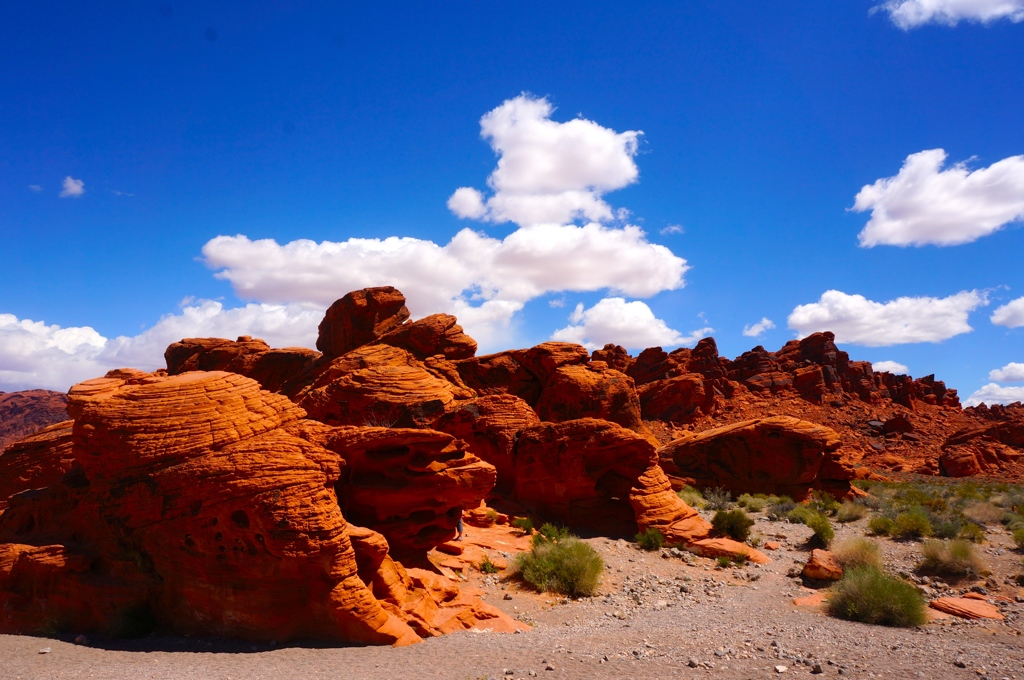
(27, 412)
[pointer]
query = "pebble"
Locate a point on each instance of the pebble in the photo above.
(781, 669)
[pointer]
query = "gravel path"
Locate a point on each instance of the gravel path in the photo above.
(655, 617)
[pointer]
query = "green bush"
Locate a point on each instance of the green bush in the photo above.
(913, 524)
(948, 526)
(880, 525)
(851, 512)
(824, 503)
(752, 503)
(823, 532)
(524, 524)
(800, 514)
(971, 532)
(691, 496)
(549, 532)
(486, 566)
(732, 523)
(781, 507)
(868, 595)
(651, 539)
(717, 498)
(951, 558)
(723, 561)
(1018, 538)
(567, 566)
(858, 552)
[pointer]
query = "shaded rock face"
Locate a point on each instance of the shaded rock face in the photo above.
(23, 413)
(780, 455)
(36, 462)
(195, 502)
(247, 356)
(360, 318)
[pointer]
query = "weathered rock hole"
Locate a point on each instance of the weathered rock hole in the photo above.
(240, 519)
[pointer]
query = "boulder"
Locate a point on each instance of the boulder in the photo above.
(781, 455)
(966, 608)
(360, 318)
(522, 372)
(590, 391)
(823, 566)
(251, 357)
(437, 334)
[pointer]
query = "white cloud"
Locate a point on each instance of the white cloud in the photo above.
(36, 355)
(890, 366)
(672, 229)
(72, 188)
(925, 204)
(34, 188)
(765, 324)
(1011, 314)
(1011, 372)
(857, 320)
(482, 280)
(630, 324)
(548, 172)
(995, 394)
(909, 14)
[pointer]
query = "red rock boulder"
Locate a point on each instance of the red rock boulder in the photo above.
(360, 318)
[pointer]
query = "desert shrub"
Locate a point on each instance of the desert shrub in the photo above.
(858, 552)
(486, 566)
(912, 524)
(739, 559)
(756, 540)
(951, 558)
(733, 523)
(723, 561)
(1018, 538)
(971, 532)
(549, 532)
(800, 514)
(880, 525)
(969, 491)
(1012, 498)
(491, 514)
(824, 503)
(752, 503)
(822, 528)
(651, 539)
(568, 566)
(985, 513)
(717, 498)
(691, 496)
(1013, 521)
(781, 507)
(947, 525)
(869, 595)
(524, 524)
(851, 512)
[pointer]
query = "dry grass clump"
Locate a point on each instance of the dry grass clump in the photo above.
(912, 524)
(717, 498)
(858, 552)
(868, 595)
(951, 558)
(691, 496)
(985, 513)
(851, 512)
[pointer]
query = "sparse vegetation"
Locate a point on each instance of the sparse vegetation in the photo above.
(549, 532)
(564, 565)
(822, 528)
(651, 539)
(971, 532)
(486, 566)
(723, 561)
(823, 503)
(732, 523)
(951, 558)
(524, 524)
(880, 525)
(851, 512)
(780, 508)
(717, 498)
(985, 513)
(752, 503)
(868, 595)
(858, 552)
(912, 524)
(1018, 538)
(691, 496)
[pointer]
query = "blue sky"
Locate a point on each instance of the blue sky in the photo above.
(625, 141)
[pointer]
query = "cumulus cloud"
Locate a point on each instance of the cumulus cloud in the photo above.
(857, 320)
(925, 204)
(765, 324)
(548, 172)
(995, 394)
(482, 280)
(631, 324)
(72, 188)
(34, 354)
(1011, 372)
(890, 366)
(909, 14)
(1010, 315)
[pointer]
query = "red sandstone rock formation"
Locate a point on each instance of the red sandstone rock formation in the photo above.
(360, 318)
(194, 502)
(247, 356)
(781, 455)
(24, 413)
(36, 462)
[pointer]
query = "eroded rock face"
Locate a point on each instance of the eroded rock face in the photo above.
(590, 391)
(251, 357)
(36, 462)
(27, 412)
(360, 318)
(781, 455)
(437, 334)
(194, 502)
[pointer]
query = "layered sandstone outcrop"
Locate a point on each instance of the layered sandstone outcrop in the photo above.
(36, 462)
(27, 412)
(195, 503)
